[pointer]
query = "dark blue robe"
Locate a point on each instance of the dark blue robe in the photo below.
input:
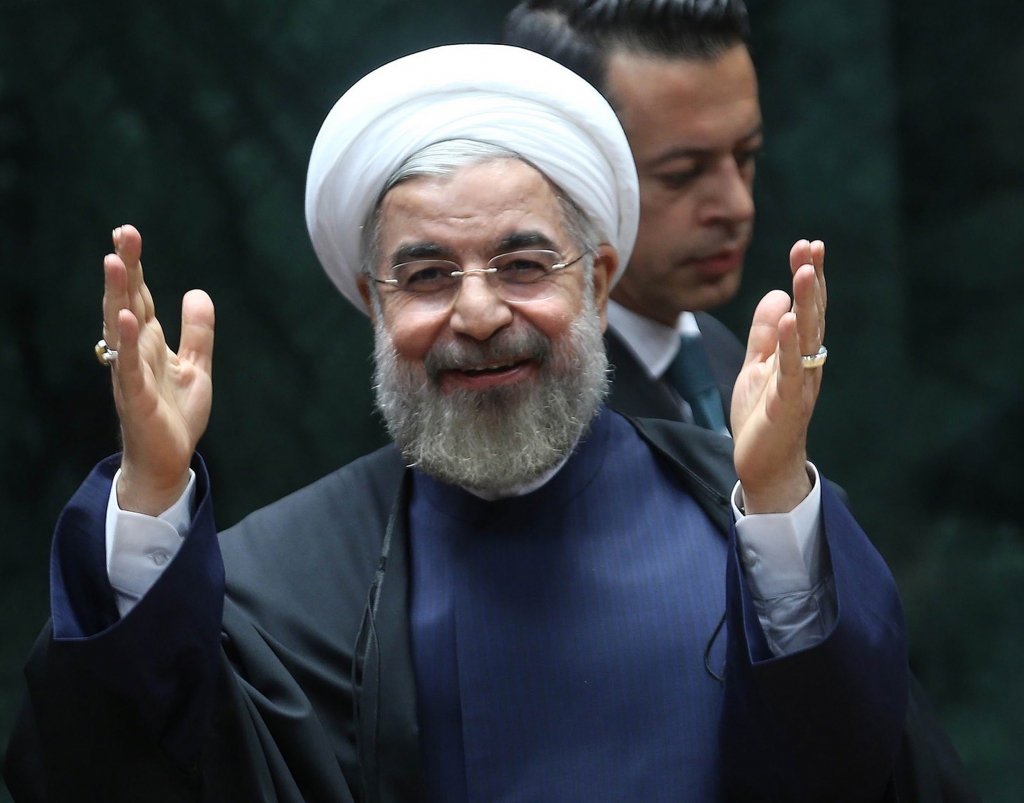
(559, 637)
(304, 688)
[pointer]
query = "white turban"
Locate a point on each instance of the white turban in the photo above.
(495, 94)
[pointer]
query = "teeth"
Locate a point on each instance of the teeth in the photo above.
(489, 369)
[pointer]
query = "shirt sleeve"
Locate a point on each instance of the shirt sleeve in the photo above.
(786, 565)
(140, 547)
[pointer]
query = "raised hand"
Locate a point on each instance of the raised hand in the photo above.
(163, 399)
(775, 394)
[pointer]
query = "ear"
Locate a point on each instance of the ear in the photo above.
(606, 262)
(363, 283)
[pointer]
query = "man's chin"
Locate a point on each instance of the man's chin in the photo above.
(487, 440)
(707, 295)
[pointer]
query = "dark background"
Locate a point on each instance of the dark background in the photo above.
(894, 132)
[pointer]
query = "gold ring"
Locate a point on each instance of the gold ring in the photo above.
(106, 355)
(812, 361)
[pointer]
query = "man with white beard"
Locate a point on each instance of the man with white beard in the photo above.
(500, 438)
(528, 596)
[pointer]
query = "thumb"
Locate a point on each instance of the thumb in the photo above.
(197, 321)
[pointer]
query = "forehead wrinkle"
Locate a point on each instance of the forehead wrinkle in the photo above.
(467, 206)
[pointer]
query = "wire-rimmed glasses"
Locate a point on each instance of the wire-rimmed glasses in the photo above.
(518, 277)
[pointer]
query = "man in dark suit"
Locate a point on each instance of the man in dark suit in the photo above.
(680, 77)
(681, 80)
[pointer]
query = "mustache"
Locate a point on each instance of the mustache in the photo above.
(503, 347)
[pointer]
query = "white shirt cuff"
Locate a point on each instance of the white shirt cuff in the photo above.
(140, 547)
(782, 552)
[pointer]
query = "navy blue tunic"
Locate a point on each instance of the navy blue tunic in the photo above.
(558, 637)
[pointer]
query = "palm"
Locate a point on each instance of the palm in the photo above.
(169, 412)
(774, 396)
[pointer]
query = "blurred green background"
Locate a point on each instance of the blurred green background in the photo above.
(895, 131)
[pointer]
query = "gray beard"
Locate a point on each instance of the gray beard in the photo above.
(502, 439)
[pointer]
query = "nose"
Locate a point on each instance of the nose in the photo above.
(729, 197)
(479, 311)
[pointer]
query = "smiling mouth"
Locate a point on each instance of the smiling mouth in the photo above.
(492, 369)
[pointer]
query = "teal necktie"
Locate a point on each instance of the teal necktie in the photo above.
(690, 374)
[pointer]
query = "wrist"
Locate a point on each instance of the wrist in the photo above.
(781, 496)
(151, 496)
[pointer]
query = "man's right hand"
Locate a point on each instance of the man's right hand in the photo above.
(163, 399)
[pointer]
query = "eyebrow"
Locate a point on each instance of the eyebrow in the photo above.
(515, 241)
(526, 239)
(696, 153)
(421, 250)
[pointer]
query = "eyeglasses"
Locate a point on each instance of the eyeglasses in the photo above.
(518, 277)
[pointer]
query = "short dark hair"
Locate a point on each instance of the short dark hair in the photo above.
(580, 34)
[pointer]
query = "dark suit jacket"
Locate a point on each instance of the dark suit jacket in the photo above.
(635, 394)
(289, 677)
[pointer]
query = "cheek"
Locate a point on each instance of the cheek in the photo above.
(412, 338)
(552, 317)
(665, 214)
(662, 234)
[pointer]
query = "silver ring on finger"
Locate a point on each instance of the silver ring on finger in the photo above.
(809, 361)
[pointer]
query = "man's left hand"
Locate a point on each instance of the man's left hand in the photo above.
(775, 394)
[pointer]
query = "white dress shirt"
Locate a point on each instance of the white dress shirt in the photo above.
(654, 344)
